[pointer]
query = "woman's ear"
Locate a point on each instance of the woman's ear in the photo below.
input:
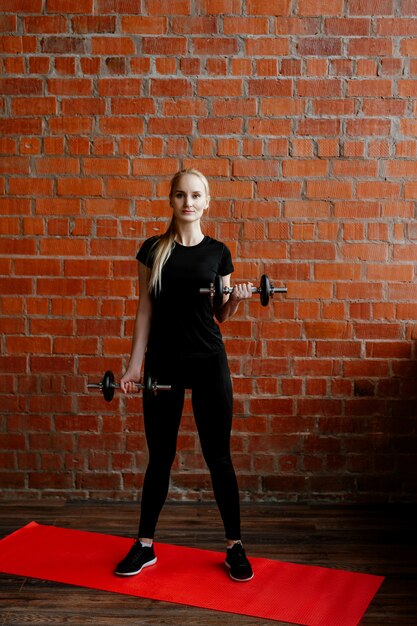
(208, 202)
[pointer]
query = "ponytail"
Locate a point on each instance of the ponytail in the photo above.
(162, 252)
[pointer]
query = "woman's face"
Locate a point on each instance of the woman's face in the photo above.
(189, 198)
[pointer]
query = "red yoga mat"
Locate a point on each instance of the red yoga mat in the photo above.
(300, 594)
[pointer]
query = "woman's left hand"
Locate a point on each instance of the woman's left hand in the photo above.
(242, 291)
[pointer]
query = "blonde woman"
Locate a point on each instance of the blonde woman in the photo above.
(180, 343)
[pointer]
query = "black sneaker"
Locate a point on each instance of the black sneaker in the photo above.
(135, 560)
(238, 564)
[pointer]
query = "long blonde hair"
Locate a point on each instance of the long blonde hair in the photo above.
(166, 242)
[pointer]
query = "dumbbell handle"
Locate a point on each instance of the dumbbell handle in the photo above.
(209, 290)
(155, 387)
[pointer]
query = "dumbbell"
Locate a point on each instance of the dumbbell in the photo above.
(107, 386)
(265, 289)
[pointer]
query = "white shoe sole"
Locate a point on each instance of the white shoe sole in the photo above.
(147, 564)
(238, 580)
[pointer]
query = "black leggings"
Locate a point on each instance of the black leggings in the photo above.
(209, 380)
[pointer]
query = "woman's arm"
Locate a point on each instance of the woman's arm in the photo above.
(242, 291)
(140, 333)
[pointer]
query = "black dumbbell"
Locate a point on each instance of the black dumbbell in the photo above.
(107, 386)
(216, 290)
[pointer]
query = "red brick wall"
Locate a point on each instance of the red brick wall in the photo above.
(303, 115)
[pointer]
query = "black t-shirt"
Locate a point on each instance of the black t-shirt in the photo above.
(182, 323)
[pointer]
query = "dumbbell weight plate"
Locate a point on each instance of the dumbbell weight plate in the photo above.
(218, 292)
(108, 386)
(265, 290)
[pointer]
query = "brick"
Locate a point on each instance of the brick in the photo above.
(282, 107)
(304, 168)
(329, 189)
(335, 107)
(347, 27)
(220, 87)
(355, 169)
(380, 107)
(105, 206)
(261, 209)
(366, 251)
(70, 86)
(214, 46)
(67, 6)
(195, 25)
(319, 7)
(267, 250)
(370, 47)
(132, 106)
(268, 7)
(267, 87)
(374, 87)
(86, 106)
(256, 168)
(28, 86)
(24, 345)
(62, 45)
(378, 189)
(21, 126)
(56, 165)
(121, 126)
(328, 330)
(296, 208)
(407, 88)
(8, 23)
(164, 45)
(14, 165)
(313, 250)
(247, 25)
(211, 167)
(17, 45)
(316, 46)
(120, 188)
(45, 24)
(112, 166)
(289, 349)
(170, 87)
(402, 292)
(396, 27)
(269, 127)
(279, 189)
(371, 7)
(185, 107)
(168, 7)
(38, 267)
(220, 126)
(319, 127)
(337, 271)
(388, 349)
(64, 248)
(93, 24)
(79, 187)
(119, 87)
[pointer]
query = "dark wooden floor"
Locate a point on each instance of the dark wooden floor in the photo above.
(377, 540)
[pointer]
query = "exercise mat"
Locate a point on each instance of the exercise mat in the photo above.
(299, 594)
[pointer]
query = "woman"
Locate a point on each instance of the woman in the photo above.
(180, 343)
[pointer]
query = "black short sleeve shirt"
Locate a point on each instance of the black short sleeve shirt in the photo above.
(182, 319)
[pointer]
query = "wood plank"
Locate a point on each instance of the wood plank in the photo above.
(369, 539)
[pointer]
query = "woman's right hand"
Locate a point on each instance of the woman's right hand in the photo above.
(129, 380)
